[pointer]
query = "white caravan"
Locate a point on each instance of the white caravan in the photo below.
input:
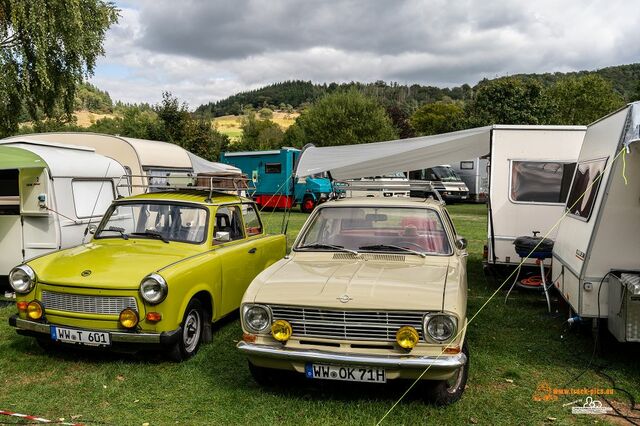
(475, 174)
(49, 193)
(139, 157)
(596, 256)
(530, 170)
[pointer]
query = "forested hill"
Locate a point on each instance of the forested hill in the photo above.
(294, 94)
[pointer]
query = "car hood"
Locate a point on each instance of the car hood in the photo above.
(113, 264)
(414, 284)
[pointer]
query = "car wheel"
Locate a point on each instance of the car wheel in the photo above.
(445, 392)
(263, 376)
(307, 205)
(191, 332)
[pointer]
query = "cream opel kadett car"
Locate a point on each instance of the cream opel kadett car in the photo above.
(375, 289)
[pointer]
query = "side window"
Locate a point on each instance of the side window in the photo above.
(273, 168)
(450, 222)
(228, 219)
(252, 223)
(584, 189)
(92, 197)
(466, 165)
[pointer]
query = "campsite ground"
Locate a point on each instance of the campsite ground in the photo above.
(515, 349)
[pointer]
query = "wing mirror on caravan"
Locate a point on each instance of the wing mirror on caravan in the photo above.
(461, 243)
(222, 236)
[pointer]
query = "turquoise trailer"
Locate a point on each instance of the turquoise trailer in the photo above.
(272, 173)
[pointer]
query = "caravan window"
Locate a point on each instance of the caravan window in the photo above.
(584, 188)
(92, 197)
(273, 168)
(540, 181)
(466, 165)
(9, 192)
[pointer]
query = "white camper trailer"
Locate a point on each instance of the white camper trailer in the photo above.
(475, 174)
(596, 256)
(48, 195)
(530, 169)
(139, 157)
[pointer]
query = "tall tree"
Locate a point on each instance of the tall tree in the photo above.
(583, 99)
(47, 47)
(438, 117)
(342, 118)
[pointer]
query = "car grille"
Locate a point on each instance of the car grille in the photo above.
(347, 325)
(102, 305)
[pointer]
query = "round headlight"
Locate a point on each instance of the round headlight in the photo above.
(22, 278)
(153, 289)
(128, 318)
(34, 310)
(281, 330)
(440, 327)
(257, 318)
(407, 337)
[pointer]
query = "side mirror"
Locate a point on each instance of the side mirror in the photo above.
(222, 236)
(461, 243)
(93, 229)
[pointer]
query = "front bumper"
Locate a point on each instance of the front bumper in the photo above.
(38, 329)
(444, 363)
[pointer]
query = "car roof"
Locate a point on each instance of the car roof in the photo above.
(190, 196)
(384, 202)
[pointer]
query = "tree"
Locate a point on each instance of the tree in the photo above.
(438, 117)
(510, 100)
(259, 135)
(399, 115)
(174, 118)
(583, 99)
(342, 118)
(46, 49)
(266, 113)
(203, 140)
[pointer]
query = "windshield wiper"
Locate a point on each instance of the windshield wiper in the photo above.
(392, 247)
(153, 234)
(329, 246)
(118, 230)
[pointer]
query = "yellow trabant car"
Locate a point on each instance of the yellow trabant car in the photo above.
(375, 289)
(161, 268)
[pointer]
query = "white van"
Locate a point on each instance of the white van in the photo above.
(475, 174)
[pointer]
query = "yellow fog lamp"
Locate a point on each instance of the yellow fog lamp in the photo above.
(35, 310)
(129, 318)
(281, 330)
(407, 337)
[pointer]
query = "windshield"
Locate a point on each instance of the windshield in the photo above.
(445, 173)
(380, 229)
(166, 222)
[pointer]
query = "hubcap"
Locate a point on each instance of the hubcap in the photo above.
(191, 331)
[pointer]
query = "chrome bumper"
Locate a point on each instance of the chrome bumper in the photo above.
(442, 363)
(33, 328)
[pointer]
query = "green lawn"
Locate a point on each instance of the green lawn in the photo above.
(513, 347)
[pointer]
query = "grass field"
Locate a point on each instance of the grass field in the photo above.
(230, 124)
(514, 348)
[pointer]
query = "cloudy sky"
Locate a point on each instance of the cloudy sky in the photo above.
(205, 50)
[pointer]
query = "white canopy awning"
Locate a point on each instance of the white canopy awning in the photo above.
(374, 159)
(200, 165)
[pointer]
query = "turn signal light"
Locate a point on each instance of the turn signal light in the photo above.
(407, 337)
(452, 350)
(34, 310)
(128, 318)
(249, 338)
(154, 316)
(22, 306)
(281, 330)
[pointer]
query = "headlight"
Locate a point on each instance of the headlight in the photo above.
(22, 278)
(153, 289)
(257, 318)
(440, 327)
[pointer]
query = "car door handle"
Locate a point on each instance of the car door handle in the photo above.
(253, 250)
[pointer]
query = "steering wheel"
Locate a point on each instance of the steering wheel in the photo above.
(411, 244)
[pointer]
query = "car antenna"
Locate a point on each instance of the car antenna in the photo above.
(86, 230)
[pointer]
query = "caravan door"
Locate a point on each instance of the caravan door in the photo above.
(10, 224)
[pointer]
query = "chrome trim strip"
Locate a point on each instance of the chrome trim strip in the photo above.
(444, 362)
(116, 336)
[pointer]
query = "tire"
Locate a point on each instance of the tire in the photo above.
(191, 332)
(262, 376)
(445, 392)
(307, 205)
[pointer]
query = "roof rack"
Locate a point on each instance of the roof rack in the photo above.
(388, 187)
(189, 181)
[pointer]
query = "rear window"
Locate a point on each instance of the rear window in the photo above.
(540, 181)
(584, 188)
